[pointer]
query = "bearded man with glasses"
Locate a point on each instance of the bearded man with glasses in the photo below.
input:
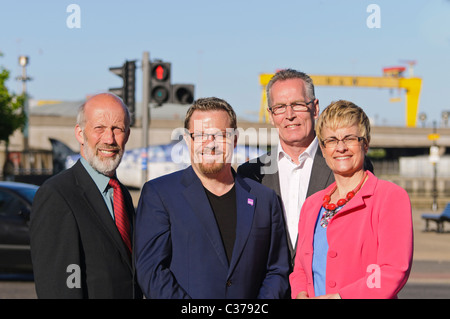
(206, 232)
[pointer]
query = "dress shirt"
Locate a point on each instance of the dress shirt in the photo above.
(319, 264)
(102, 183)
(320, 251)
(294, 181)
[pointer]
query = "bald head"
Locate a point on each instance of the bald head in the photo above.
(102, 101)
(103, 128)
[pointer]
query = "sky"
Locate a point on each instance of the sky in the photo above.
(223, 46)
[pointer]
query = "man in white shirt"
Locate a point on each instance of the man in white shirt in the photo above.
(294, 181)
(297, 169)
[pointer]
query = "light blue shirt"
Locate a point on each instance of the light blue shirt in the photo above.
(319, 264)
(102, 183)
(320, 250)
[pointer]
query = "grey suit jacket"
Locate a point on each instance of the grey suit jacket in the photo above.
(264, 169)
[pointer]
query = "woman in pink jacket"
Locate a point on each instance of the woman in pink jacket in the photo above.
(355, 237)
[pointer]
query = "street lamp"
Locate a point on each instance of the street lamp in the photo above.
(23, 62)
(445, 115)
(434, 159)
(422, 118)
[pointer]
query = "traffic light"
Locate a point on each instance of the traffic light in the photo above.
(160, 87)
(127, 92)
(182, 93)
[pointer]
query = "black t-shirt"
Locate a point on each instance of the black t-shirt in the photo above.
(225, 211)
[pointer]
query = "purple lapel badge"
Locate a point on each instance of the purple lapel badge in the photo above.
(250, 201)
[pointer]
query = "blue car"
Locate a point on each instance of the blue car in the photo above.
(15, 207)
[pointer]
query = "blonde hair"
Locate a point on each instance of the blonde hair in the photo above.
(343, 114)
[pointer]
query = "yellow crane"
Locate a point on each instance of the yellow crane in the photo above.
(393, 79)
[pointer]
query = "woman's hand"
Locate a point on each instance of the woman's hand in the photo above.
(302, 295)
(328, 296)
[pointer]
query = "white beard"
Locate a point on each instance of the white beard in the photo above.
(105, 166)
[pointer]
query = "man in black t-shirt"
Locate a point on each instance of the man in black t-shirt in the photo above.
(224, 208)
(206, 232)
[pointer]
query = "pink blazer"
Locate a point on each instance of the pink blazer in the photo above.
(370, 243)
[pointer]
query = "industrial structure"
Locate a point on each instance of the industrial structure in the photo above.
(392, 79)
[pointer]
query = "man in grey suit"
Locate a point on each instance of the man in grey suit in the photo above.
(296, 169)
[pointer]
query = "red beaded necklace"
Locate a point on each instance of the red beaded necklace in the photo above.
(331, 208)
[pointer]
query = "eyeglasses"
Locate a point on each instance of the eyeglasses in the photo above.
(350, 140)
(203, 137)
(296, 107)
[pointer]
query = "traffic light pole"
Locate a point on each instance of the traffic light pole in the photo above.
(145, 113)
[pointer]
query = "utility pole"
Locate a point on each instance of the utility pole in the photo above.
(434, 159)
(23, 62)
(145, 113)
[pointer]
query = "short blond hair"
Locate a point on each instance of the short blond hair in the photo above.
(343, 114)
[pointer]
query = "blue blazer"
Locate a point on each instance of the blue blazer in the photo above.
(179, 250)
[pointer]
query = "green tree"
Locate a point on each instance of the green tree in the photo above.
(12, 117)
